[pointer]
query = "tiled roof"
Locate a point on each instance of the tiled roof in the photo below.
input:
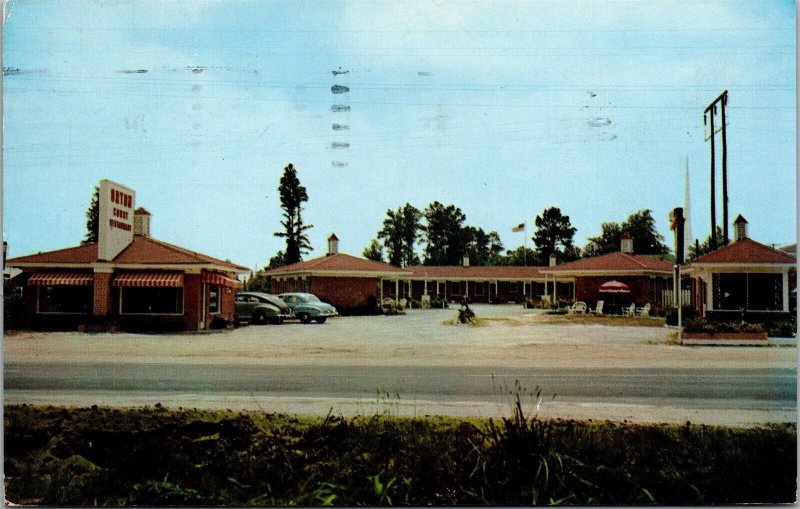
(81, 254)
(457, 271)
(336, 263)
(745, 251)
(142, 251)
(614, 262)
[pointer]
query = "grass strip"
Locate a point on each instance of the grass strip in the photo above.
(156, 456)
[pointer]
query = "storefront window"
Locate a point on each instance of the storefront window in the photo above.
(65, 299)
(213, 299)
(156, 301)
(755, 292)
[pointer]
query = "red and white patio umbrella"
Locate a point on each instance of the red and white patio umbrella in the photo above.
(614, 287)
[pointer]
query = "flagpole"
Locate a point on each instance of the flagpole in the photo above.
(525, 248)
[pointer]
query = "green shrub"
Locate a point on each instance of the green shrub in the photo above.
(784, 329)
(154, 456)
(709, 327)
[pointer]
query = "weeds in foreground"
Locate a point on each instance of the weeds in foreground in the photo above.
(58, 456)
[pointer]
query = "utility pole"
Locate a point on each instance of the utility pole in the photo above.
(709, 114)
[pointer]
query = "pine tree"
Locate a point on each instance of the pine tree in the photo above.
(292, 196)
(93, 219)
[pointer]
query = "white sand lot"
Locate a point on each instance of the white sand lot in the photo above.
(517, 337)
(513, 338)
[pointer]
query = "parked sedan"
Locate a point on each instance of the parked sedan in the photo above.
(261, 308)
(307, 307)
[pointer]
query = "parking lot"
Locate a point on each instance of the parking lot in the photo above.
(412, 364)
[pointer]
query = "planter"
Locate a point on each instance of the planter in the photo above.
(725, 335)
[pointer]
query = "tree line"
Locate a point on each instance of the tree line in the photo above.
(445, 237)
(440, 235)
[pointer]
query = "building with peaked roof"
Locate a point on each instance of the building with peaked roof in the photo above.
(147, 284)
(744, 279)
(649, 279)
(492, 284)
(355, 284)
(350, 283)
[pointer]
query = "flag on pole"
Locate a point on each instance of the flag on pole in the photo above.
(519, 228)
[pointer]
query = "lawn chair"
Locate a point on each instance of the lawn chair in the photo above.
(644, 310)
(629, 311)
(579, 308)
(598, 309)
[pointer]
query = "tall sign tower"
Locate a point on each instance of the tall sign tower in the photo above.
(116, 219)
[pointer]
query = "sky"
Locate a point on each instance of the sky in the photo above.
(501, 108)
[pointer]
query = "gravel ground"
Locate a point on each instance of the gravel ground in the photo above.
(511, 337)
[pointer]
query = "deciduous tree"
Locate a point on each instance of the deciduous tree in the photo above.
(554, 235)
(483, 248)
(640, 226)
(374, 251)
(445, 235)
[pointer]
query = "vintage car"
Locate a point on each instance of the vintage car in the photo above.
(261, 308)
(307, 307)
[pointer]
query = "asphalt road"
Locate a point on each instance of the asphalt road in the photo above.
(693, 392)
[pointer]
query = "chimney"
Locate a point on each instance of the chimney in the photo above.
(141, 222)
(740, 228)
(626, 244)
(466, 260)
(333, 244)
(553, 260)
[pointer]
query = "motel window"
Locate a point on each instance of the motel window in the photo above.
(213, 299)
(455, 288)
(756, 292)
(65, 299)
(441, 290)
(479, 289)
(514, 287)
(151, 301)
(430, 287)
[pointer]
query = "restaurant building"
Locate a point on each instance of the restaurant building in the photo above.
(127, 280)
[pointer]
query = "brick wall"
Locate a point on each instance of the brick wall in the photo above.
(102, 294)
(643, 290)
(192, 300)
(347, 294)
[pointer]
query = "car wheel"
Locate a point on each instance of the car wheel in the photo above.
(322, 319)
(260, 318)
(304, 318)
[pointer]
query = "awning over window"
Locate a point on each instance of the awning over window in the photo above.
(219, 279)
(61, 278)
(149, 279)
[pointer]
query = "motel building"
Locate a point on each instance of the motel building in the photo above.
(647, 279)
(357, 285)
(127, 280)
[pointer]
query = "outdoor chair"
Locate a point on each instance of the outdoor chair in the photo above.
(598, 309)
(644, 310)
(578, 308)
(629, 311)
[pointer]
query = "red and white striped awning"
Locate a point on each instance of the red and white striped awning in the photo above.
(61, 278)
(149, 279)
(220, 279)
